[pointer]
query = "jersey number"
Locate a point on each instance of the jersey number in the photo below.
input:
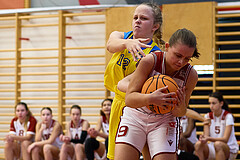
(122, 131)
(21, 132)
(123, 61)
(217, 129)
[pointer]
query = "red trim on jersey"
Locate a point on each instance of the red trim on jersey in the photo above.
(211, 115)
(32, 125)
(158, 66)
(12, 128)
(104, 119)
(224, 114)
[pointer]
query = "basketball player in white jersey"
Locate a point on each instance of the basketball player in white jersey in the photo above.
(21, 135)
(221, 135)
(47, 143)
(138, 124)
(75, 137)
(92, 145)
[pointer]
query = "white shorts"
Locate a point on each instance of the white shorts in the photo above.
(161, 132)
(212, 153)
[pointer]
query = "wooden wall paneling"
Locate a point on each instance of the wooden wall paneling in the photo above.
(198, 17)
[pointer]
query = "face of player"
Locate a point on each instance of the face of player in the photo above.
(142, 23)
(46, 116)
(21, 112)
(75, 115)
(215, 106)
(106, 108)
(178, 56)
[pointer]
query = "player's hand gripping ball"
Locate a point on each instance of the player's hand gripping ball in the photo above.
(156, 82)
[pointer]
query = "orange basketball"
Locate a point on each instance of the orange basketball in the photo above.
(156, 82)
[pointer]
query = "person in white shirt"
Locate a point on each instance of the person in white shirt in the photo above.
(47, 143)
(220, 133)
(94, 146)
(21, 135)
(76, 135)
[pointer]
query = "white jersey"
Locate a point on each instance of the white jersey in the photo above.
(184, 124)
(18, 129)
(218, 125)
(76, 132)
(105, 125)
(47, 133)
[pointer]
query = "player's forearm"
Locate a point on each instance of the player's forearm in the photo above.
(222, 139)
(116, 45)
(179, 111)
(137, 100)
(22, 138)
(194, 115)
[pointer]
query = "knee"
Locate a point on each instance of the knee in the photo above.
(218, 145)
(78, 147)
(46, 149)
(35, 150)
(8, 145)
(197, 145)
(25, 144)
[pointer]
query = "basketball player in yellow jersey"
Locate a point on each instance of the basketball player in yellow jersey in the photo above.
(127, 48)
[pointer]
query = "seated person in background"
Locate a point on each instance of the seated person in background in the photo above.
(188, 136)
(47, 144)
(92, 145)
(75, 137)
(220, 133)
(21, 135)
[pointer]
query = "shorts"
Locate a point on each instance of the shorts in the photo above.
(116, 112)
(161, 132)
(212, 153)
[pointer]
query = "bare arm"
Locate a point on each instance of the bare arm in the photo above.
(116, 43)
(94, 132)
(39, 130)
(22, 138)
(85, 126)
(123, 84)
(194, 115)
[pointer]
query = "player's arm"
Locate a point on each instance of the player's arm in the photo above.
(99, 125)
(68, 129)
(184, 94)
(123, 84)
(39, 130)
(194, 115)
(22, 138)
(134, 98)
(117, 43)
(85, 125)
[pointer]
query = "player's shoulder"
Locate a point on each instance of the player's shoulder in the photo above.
(193, 75)
(14, 119)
